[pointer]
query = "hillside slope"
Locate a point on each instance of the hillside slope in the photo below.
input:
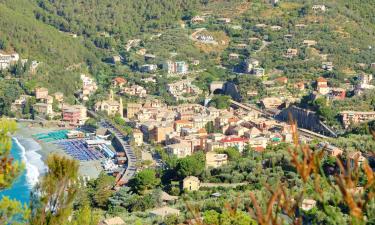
(35, 40)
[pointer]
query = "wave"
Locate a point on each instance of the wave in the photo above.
(32, 159)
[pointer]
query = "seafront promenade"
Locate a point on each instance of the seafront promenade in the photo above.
(131, 168)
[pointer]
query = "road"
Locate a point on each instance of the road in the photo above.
(131, 168)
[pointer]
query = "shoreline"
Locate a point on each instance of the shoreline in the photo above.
(89, 169)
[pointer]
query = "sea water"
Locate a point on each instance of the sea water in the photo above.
(25, 150)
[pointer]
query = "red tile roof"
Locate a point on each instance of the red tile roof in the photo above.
(120, 80)
(233, 139)
(321, 79)
(259, 149)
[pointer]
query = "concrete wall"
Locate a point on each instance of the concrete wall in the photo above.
(305, 119)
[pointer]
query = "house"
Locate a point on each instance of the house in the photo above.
(309, 43)
(258, 143)
(215, 160)
(179, 67)
(138, 137)
(282, 80)
(89, 86)
(276, 28)
(59, 97)
(319, 8)
(75, 115)
(147, 68)
(250, 64)
(41, 93)
(165, 197)
(354, 117)
(337, 93)
(356, 157)
(141, 51)
(178, 124)
(183, 90)
(181, 150)
(321, 86)
(149, 56)
(365, 81)
(234, 141)
(135, 90)
(328, 66)
(195, 62)
(332, 150)
(197, 19)
(223, 20)
(271, 103)
(113, 221)
(132, 109)
(6, 60)
(291, 52)
(233, 56)
(260, 25)
(116, 59)
(299, 85)
(237, 130)
(110, 106)
(119, 82)
(18, 104)
(241, 46)
(191, 183)
(164, 212)
(160, 132)
(300, 25)
(132, 43)
(43, 108)
(258, 71)
(253, 133)
(308, 204)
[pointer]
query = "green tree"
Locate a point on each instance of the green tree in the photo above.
(102, 189)
(52, 198)
(85, 216)
(9, 170)
(191, 165)
(236, 218)
(220, 101)
(122, 200)
(211, 217)
(144, 180)
(12, 212)
(91, 123)
(232, 152)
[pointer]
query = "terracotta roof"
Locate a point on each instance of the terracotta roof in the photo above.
(321, 79)
(233, 119)
(182, 121)
(202, 131)
(282, 79)
(120, 80)
(233, 139)
(259, 149)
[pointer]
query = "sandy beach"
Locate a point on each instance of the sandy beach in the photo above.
(25, 130)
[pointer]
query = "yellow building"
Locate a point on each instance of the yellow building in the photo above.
(111, 106)
(191, 183)
(215, 160)
(138, 137)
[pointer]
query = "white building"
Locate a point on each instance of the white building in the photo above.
(179, 67)
(8, 59)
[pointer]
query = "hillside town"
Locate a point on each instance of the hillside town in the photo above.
(230, 113)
